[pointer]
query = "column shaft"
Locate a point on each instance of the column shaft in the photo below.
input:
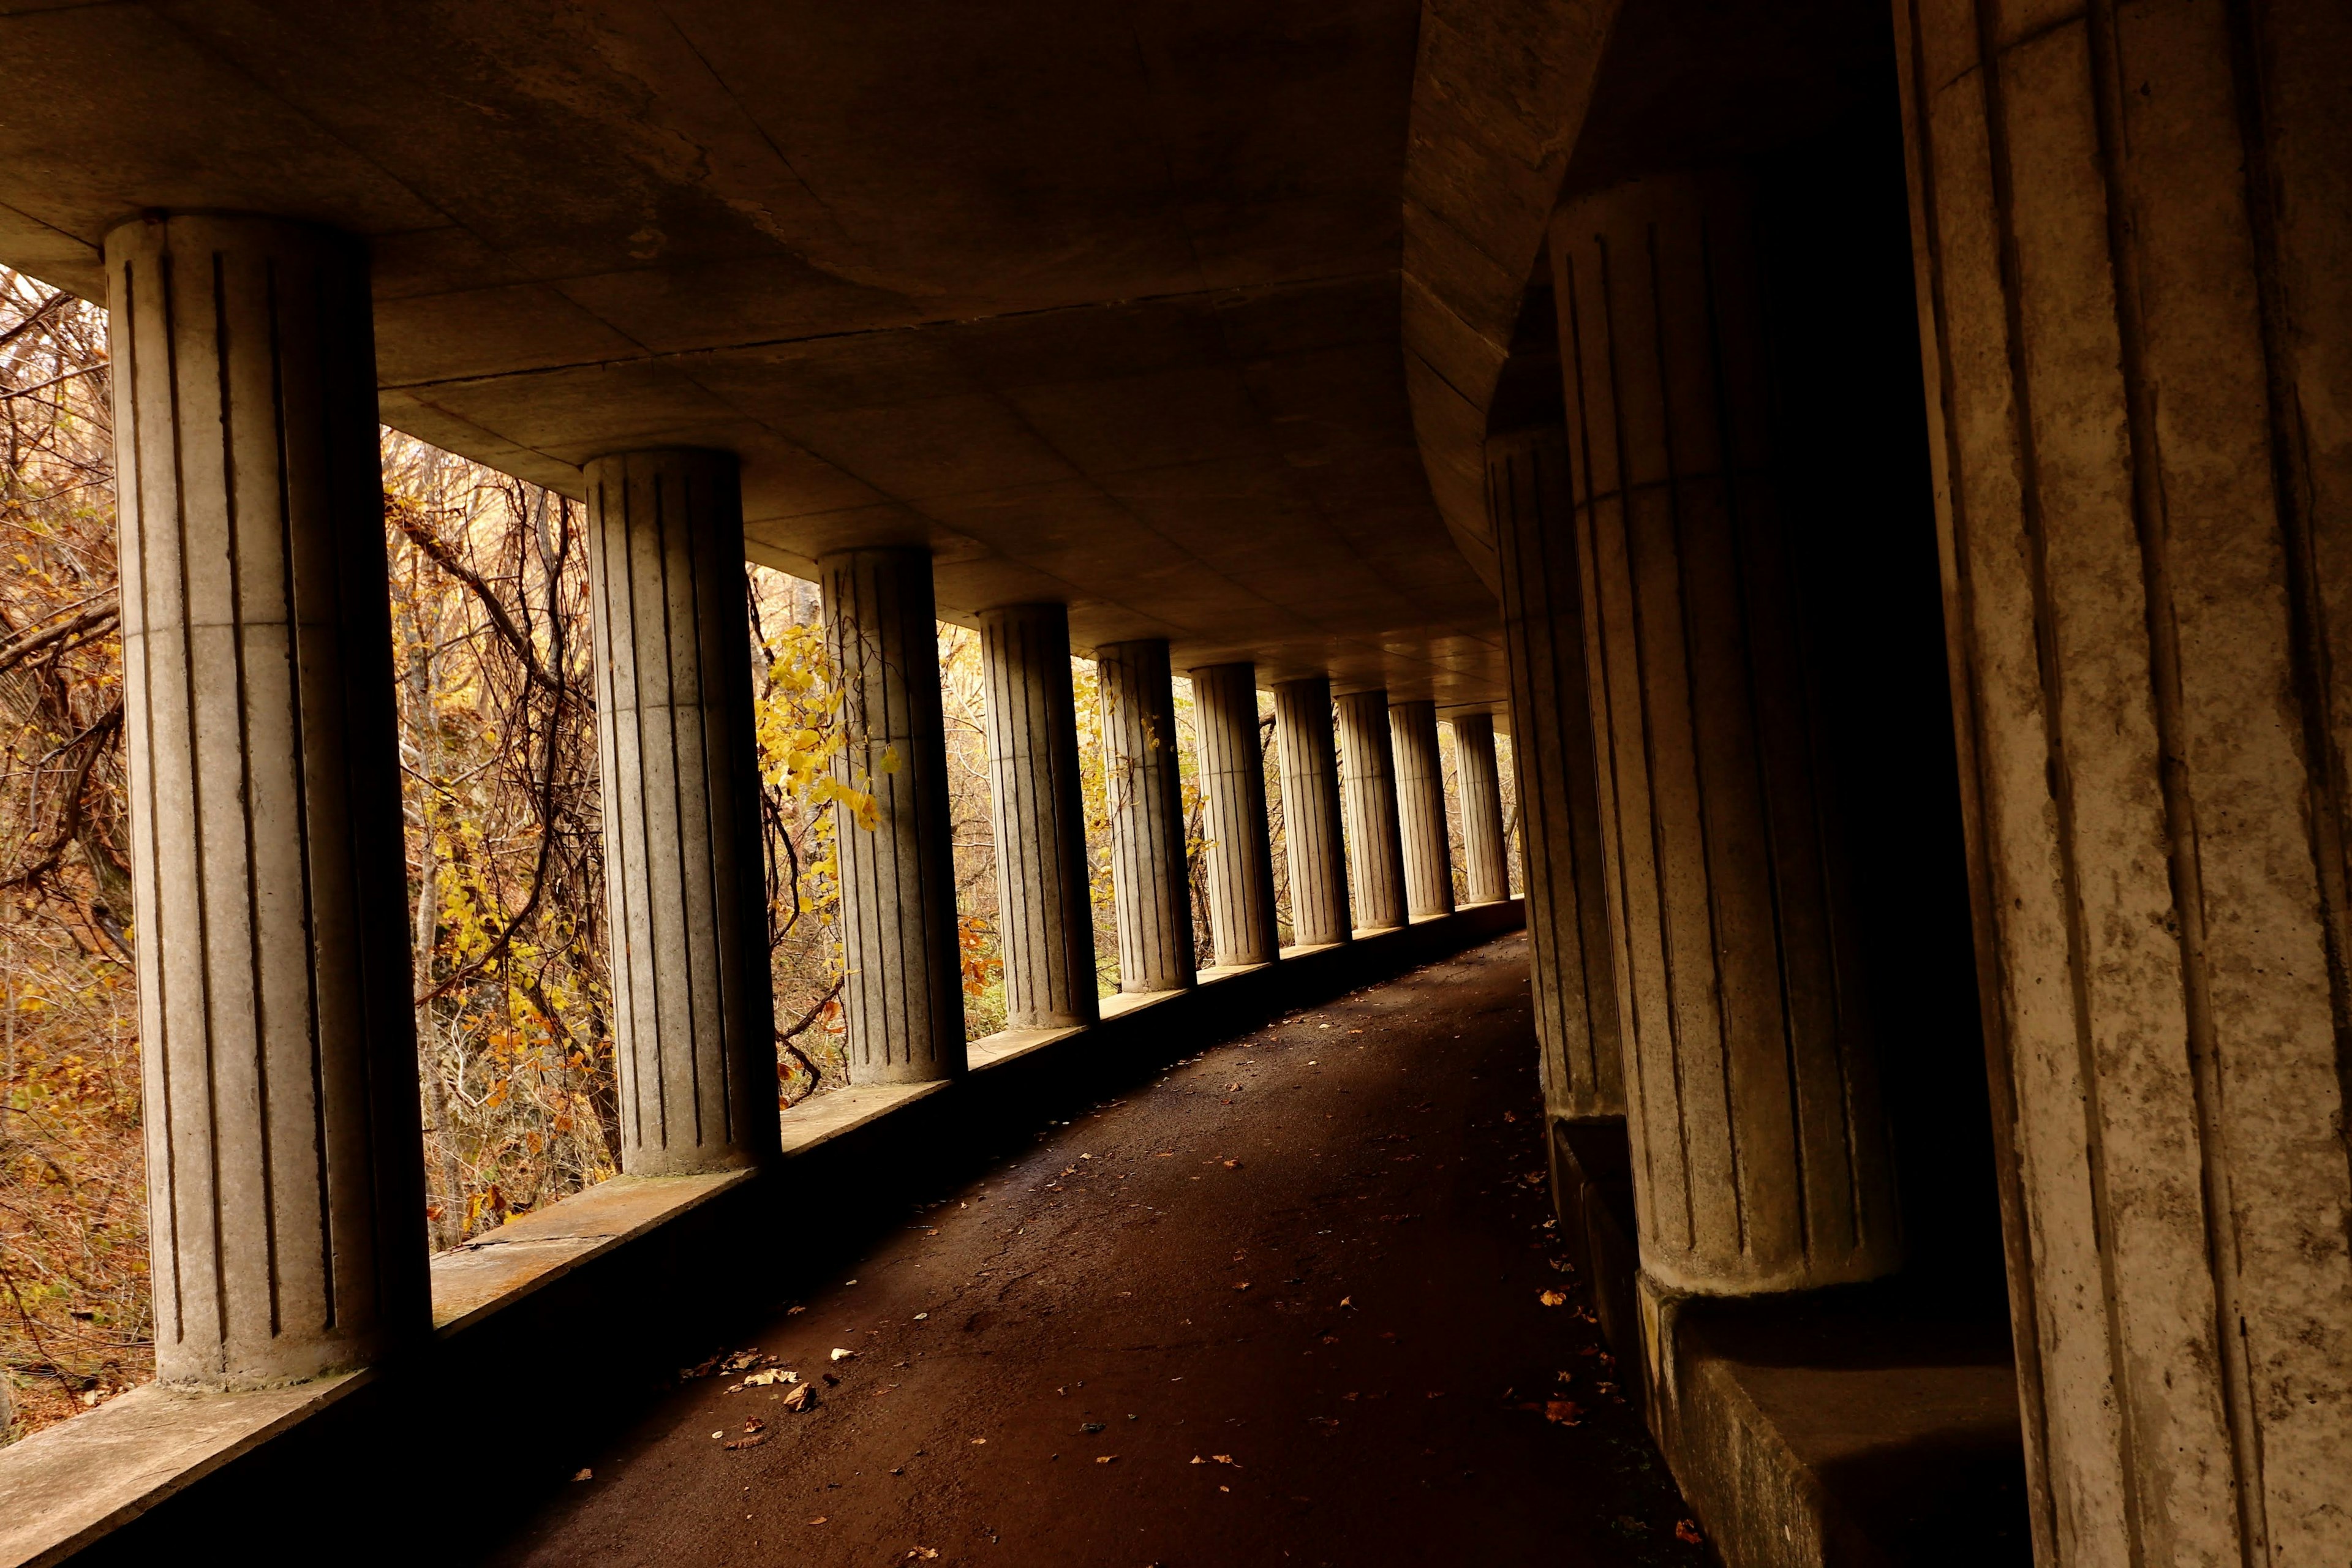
(1314, 847)
(2131, 230)
(694, 1025)
(1485, 863)
(1579, 1023)
(904, 990)
(1760, 1148)
(1421, 809)
(1232, 783)
(1150, 884)
(285, 1166)
(1045, 917)
(1368, 790)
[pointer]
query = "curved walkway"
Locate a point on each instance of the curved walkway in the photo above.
(1283, 1306)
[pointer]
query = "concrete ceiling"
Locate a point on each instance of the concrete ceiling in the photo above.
(1101, 302)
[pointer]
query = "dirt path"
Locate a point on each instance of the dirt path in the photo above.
(1281, 1306)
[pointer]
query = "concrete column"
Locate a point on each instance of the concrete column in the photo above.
(1759, 1150)
(685, 878)
(1485, 863)
(2130, 229)
(285, 1170)
(1044, 915)
(904, 994)
(1368, 792)
(1233, 781)
(1579, 1025)
(1314, 847)
(1421, 809)
(1150, 884)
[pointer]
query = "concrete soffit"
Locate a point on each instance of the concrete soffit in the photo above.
(1500, 89)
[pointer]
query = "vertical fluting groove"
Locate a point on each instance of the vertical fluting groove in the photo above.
(1369, 792)
(1150, 888)
(1045, 914)
(1924, 152)
(1421, 809)
(1232, 779)
(2141, 435)
(2053, 686)
(903, 986)
(241, 704)
(236, 978)
(1553, 750)
(693, 1014)
(1314, 847)
(1486, 870)
(1602, 675)
(1747, 1051)
(292, 591)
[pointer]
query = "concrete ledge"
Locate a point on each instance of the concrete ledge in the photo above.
(1866, 1426)
(1856, 1427)
(569, 1318)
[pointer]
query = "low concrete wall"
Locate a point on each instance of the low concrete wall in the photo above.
(569, 1320)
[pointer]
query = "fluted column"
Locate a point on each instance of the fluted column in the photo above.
(2131, 227)
(903, 994)
(1368, 792)
(1760, 1149)
(1150, 886)
(1579, 1023)
(1486, 857)
(694, 1024)
(1045, 916)
(285, 1170)
(1233, 781)
(1314, 847)
(1421, 809)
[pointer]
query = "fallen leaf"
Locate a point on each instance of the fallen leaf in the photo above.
(979, 1442)
(921, 1316)
(1232, 1164)
(753, 1441)
(762, 1379)
(924, 1552)
(1346, 1301)
(1196, 1459)
(794, 1311)
(1553, 1298)
(584, 1476)
(1225, 1459)
(1242, 1286)
(754, 1424)
(1562, 1412)
(1687, 1531)
(818, 1520)
(1105, 1458)
(801, 1398)
(840, 1354)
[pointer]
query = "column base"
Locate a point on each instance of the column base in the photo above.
(1864, 1425)
(1849, 1427)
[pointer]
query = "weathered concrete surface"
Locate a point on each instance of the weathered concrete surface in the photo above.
(1368, 792)
(1114, 322)
(1242, 928)
(285, 1181)
(1421, 809)
(1045, 912)
(903, 992)
(1558, 779)
(1150, 892)
(1485, 851)
(2131, 236)
(100, 1470)
(1358, 1154)
(1315, 849)
(1760, 1155)
(693, 1016)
